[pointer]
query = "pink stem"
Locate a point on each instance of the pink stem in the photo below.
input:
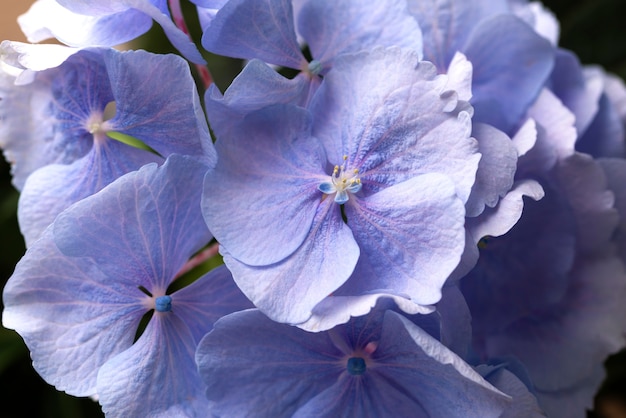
(179, 21)
(198, 259)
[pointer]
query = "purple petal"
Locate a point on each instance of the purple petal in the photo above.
(288, 291)
(145, 227)
(261, 198)
(563, 346)
(262, 29)
(524, 403)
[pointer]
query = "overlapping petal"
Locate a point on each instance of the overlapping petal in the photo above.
(145, 227)
(266, 181)
(394, 128)
(287, 291)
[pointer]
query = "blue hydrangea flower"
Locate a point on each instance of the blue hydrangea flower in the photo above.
(378, 365)
(58, 126)
(89, 23)
(80, 292)
(390, 154)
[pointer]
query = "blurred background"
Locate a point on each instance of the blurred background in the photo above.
(594, 29)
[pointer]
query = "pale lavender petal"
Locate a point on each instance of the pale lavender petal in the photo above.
(72, 316)
(336, 309)
(145, 227)
(498, 221)
(496, 168)
(113, 17)
(48, 19)
(556, 135)
(288, 291)
(262, 29)
(157, 376)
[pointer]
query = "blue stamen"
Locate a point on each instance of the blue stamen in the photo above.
(315, 67)
(356, 366)
(163, 303)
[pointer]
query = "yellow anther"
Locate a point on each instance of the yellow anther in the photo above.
(345, 157)
(356, 171)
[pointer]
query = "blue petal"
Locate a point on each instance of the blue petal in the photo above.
(331, 28)
(46, 119)
(447, 25)
(262, 29)
(288, 290)
(207, 299)
(261, 198)
(411, 238)
(146, 224)
(579, 92)
(255, 367)
(53, 188)
(507, 56)
(496, 169)
(165, 115)
(72, 316)
(327, 187)
(288, 372)
(157, 376)
(257, 86)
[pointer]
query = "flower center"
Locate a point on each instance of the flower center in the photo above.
(342, 182)
(163, 303)
(356, 366)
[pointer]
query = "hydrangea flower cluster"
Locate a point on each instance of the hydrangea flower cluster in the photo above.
(427, 219)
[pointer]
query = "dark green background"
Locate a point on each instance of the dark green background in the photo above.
(594, 29)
